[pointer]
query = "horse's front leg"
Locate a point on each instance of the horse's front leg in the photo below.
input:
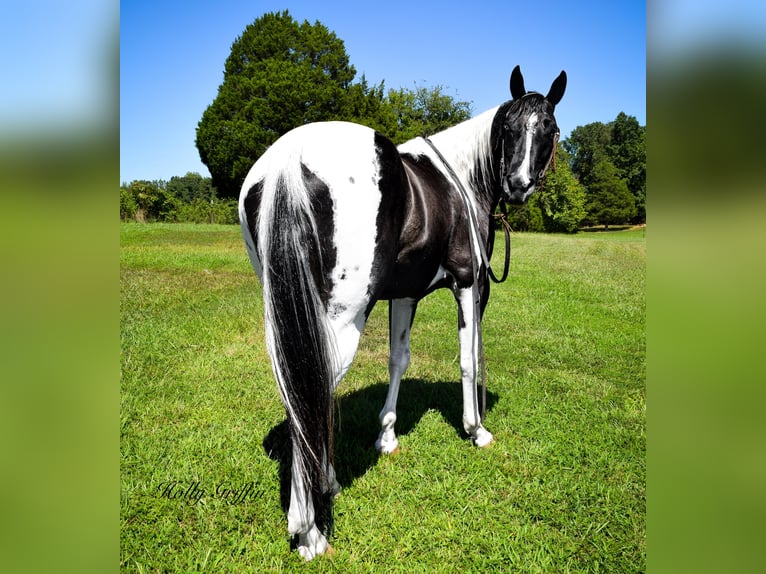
(468, 333)
(400, 315)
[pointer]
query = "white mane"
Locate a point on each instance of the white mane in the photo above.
(461, 146)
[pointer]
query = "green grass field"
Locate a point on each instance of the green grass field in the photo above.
(562, 489)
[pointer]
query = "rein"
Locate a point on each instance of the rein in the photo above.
(503, 217)
(473, 225)
(474, 234)
(551, 159)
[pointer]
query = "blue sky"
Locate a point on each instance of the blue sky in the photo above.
(55, 60)
(172, 55)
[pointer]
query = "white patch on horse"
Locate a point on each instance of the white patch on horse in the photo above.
(353, 179)
(525, 169)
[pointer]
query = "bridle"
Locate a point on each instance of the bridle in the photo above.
(551, 159)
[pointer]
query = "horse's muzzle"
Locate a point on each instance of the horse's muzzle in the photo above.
(517, 194)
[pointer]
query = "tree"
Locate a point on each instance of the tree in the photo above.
(608, 200)
(562, 197)
(147, 201)
(279, 75)
(623, 144)
(424, 111)
(369, 106)
(587, 147)
(190, 187)
(627, 150)
(128, 204)
(527, 217)
(190, 198)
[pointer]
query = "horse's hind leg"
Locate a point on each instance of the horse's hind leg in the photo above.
(400, 315)
(301, 518)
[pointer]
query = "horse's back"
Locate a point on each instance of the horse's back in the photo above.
(349, 179)
(330, 147)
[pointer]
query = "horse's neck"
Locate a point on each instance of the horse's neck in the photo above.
(467, 148)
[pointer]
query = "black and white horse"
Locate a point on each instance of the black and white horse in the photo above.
(335, 217)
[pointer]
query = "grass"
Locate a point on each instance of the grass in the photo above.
(561, 490)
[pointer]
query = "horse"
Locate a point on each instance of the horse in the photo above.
(335, 217)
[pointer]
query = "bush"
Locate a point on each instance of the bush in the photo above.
(527, 217)
(175, 202)
(213, 211)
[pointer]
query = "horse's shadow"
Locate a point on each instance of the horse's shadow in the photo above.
(357, 426)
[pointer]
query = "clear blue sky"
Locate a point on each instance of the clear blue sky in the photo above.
(172, 55)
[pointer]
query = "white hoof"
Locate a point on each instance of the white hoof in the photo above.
(387, 444)
(312, 543)
(482, 437)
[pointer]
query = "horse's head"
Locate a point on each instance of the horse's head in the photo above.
(529, 134)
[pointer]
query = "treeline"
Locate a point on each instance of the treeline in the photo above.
(190, 198)
(600, 180)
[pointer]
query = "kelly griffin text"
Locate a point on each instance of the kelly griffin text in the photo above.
(194, 492)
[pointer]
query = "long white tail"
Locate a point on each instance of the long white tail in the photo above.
(298, 336)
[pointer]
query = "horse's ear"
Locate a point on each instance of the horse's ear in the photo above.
(517, 83)
(557, 89)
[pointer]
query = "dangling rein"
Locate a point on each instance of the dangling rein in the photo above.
(474, 234)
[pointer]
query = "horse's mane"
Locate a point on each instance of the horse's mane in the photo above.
(468, 148)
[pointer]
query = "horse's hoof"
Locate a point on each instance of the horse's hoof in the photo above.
(384, 446)
(483, 438)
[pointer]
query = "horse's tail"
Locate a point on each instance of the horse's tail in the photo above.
(298, 335)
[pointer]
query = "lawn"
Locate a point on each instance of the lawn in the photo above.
(562, 489)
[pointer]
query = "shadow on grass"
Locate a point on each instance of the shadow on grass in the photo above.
(357, 426)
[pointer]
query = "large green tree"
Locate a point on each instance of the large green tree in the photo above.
(609, 200)
(621, 143)
(280, 74)
(561, 198)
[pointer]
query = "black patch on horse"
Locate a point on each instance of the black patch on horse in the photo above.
(322, 210)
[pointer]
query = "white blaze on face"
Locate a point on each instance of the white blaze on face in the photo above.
(525, 169)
